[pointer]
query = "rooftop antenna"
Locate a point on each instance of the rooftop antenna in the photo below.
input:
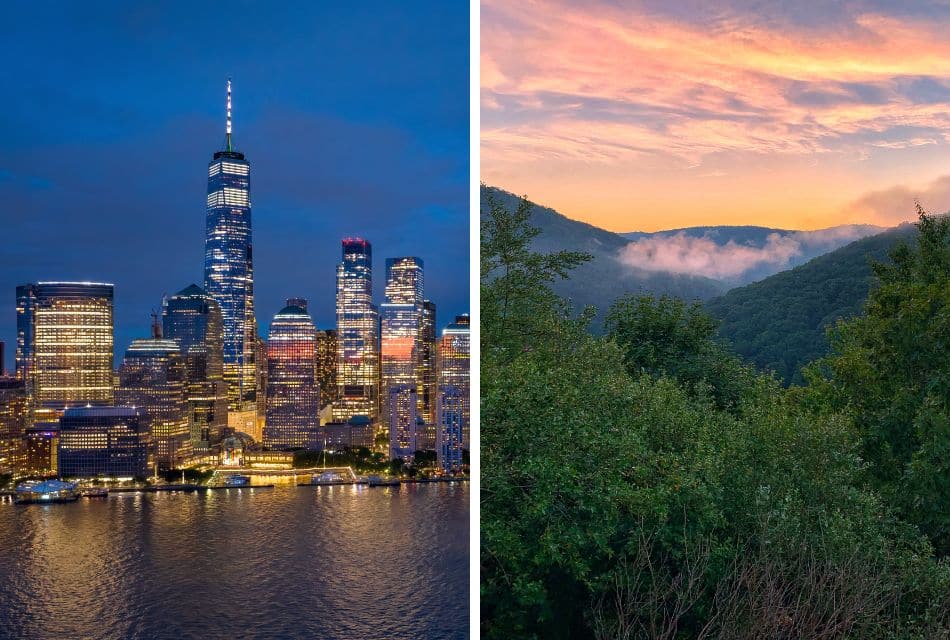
(228, 130)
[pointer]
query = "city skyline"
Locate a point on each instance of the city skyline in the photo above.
(655, 116)
(330, 160)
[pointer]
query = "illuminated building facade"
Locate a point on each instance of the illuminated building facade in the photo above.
(428, 370)
(65, 342)
(455, 367)
(40, 448)
(261, 379)
(403, 421)
(14, 419)
(357, 325)
(103, 441)
(229, 273)
(401, 329)
(451, 409)
(193, 319)
(293, 395)
(326, 365)
(153, 378)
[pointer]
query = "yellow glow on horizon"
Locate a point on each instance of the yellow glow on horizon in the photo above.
(631, 119)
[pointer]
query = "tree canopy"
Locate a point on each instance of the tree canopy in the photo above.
(648, 484)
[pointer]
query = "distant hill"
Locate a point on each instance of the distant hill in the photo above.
(737, 255)
(603, 279)
(779, 323)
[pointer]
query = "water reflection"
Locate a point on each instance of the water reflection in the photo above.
(335, 562)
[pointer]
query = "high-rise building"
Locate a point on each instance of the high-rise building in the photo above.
(403, 421)
(65, 342)
(451, 409)
(153, 378)
(401, 331)
(192, 318)
(326, 365)
(14, 420)
(104, 441)
(357, 325)
(428, 378)
(454, 378)
(261, 359)
(229, 272)
(293, 395)
(41, 446)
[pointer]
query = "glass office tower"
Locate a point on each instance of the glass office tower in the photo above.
(357, 325)
(293, 396)
(454, 385)
(65, 342)
(104, 442)
(428, 382)
(192, 318)
(153, 378)
(401, 332)
(229, 273)
(326, 365)
(404, 425)
(14, 420)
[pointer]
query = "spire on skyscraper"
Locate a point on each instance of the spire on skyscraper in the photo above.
(228, 129)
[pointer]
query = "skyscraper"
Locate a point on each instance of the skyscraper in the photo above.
(14, 420)
(65, 342)
(428, 373)
(293, 396)
(103, 441)
(454, 417)
(192, 318)
(402, 408)
(326, 365)
(401, 331)
(357, 325)
(229, 273)
(153, 378)
(450, 412)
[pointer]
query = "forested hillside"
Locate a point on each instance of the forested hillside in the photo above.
(647, 483)
(604, 278)
(779, 323)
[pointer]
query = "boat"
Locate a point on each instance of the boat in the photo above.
(45, 492)
(94, 492)
(327, 477)
(237, 481)
(378, 481)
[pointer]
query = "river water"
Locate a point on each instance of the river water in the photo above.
(341, 562)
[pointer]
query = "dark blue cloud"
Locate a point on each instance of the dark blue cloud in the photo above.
(355, 121)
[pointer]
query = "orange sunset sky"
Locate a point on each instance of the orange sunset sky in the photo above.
(656, 115)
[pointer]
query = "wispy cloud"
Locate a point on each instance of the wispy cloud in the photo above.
(682, 253)
(627, 103)
(601, 82)
(896, 204)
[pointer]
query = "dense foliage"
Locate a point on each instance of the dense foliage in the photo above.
(646, 484)
(779, 323)
(890, 370)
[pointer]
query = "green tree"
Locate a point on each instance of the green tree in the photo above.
(668, 337)
(890, 370)
(518, 309)
(624, 501)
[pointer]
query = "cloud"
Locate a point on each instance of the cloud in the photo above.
(896, 204)
(599, 82)
(686, 254)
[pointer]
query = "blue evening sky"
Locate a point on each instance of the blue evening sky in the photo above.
(355, 118)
